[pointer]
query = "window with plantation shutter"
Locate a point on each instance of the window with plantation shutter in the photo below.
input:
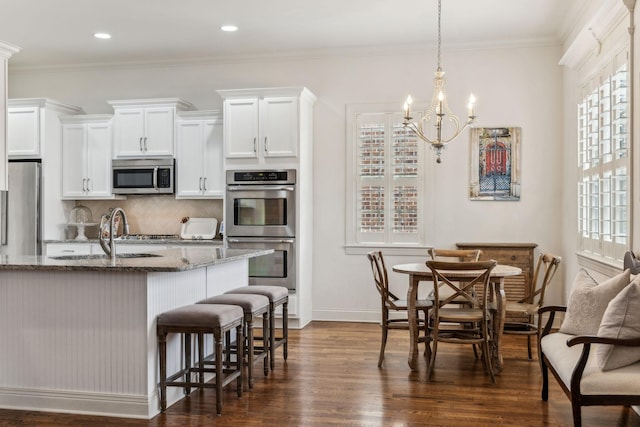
(604, 163)
(387, 194)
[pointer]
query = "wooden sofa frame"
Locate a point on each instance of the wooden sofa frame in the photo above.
(578, 400)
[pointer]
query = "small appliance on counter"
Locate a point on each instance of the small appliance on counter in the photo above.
(199, 229)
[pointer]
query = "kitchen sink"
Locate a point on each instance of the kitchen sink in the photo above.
(102, 256)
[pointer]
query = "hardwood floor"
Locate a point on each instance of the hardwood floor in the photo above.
(332, 379)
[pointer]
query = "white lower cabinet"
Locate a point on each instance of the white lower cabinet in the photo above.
(90, 248)
(61, 249)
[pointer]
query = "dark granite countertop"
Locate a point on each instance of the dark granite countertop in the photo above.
(164, 242)
(176, 259)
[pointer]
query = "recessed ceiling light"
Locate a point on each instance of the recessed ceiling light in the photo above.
(229, 28)
(102, 35)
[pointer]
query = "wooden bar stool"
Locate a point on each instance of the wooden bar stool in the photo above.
(278, 295)
(199, 319)
(253, 305)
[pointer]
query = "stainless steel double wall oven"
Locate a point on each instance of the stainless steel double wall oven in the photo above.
(261, 214)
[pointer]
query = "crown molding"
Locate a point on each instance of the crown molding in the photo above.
(589, 39)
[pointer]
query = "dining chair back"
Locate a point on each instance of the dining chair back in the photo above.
(467, 324)
(460, 255)
(527, 307)
(453, 255)
(390, 302)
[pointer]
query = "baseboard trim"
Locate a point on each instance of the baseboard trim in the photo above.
(85, 403)
(347, 316)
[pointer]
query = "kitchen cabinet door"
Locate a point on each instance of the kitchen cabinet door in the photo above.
(200, 156)
(213, 156)
(279, 126)
(98, 159)
(128, 132)
(86, 157)
(74, 184)
(241, 128)
(159, 131)
(23, 132)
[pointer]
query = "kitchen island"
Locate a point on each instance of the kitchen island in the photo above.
(78, 333)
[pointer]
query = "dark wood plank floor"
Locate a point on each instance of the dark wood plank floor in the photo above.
(332, 379)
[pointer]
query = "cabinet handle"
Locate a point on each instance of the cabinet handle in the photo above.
(266, 145)
(204, 183)
(84, 185)
(140, 144)
(254, 145)
(200, 184)
(88, 185)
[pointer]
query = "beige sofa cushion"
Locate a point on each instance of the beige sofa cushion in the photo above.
(620, 320)
(588, 301)
(621, 381)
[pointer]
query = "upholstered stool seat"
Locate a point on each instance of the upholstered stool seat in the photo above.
(199, 319)
(253, 305)
(278, 295)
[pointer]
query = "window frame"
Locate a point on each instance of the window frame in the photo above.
(353, 243)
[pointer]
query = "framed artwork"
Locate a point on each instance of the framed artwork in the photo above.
(495, 164)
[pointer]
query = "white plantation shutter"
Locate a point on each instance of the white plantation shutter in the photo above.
(604, 163)
(388, 195)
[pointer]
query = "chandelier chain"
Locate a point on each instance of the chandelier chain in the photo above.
(439, 33)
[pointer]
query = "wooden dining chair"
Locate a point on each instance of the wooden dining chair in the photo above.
(527, 307)
(390, 302)
(468, 324)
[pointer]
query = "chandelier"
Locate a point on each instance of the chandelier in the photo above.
(438, 113)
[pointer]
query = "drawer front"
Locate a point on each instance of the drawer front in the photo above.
(515, 257)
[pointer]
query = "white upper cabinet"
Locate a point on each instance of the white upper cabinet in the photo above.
(30, 121)
(23, 131)
(86, 157)
(199, 155)
(264, 124)
(146, 127)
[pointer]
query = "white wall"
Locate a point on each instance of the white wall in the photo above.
(514, 86)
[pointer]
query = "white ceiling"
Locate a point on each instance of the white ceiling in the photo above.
(59, 32)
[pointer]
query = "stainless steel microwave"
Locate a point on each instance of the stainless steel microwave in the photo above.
(143, 176)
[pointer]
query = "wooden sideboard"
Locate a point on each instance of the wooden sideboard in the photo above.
(516, 254)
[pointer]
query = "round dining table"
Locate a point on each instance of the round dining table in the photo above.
(419, 272)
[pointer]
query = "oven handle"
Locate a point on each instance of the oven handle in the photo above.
(260, 240)
(259, 188)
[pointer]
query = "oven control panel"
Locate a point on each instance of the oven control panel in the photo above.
(262, 177)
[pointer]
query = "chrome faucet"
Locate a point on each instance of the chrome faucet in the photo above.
(110, 247)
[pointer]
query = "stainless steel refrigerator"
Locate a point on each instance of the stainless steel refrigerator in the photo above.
(20, 232)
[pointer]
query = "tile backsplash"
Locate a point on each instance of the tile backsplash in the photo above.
(151, 214)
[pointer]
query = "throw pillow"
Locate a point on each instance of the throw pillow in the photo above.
(588, 301)
(620, 320)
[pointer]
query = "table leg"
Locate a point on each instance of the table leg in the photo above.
(412, 296)
(498, 323)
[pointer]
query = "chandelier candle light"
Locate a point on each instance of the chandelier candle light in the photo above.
(438, 111)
